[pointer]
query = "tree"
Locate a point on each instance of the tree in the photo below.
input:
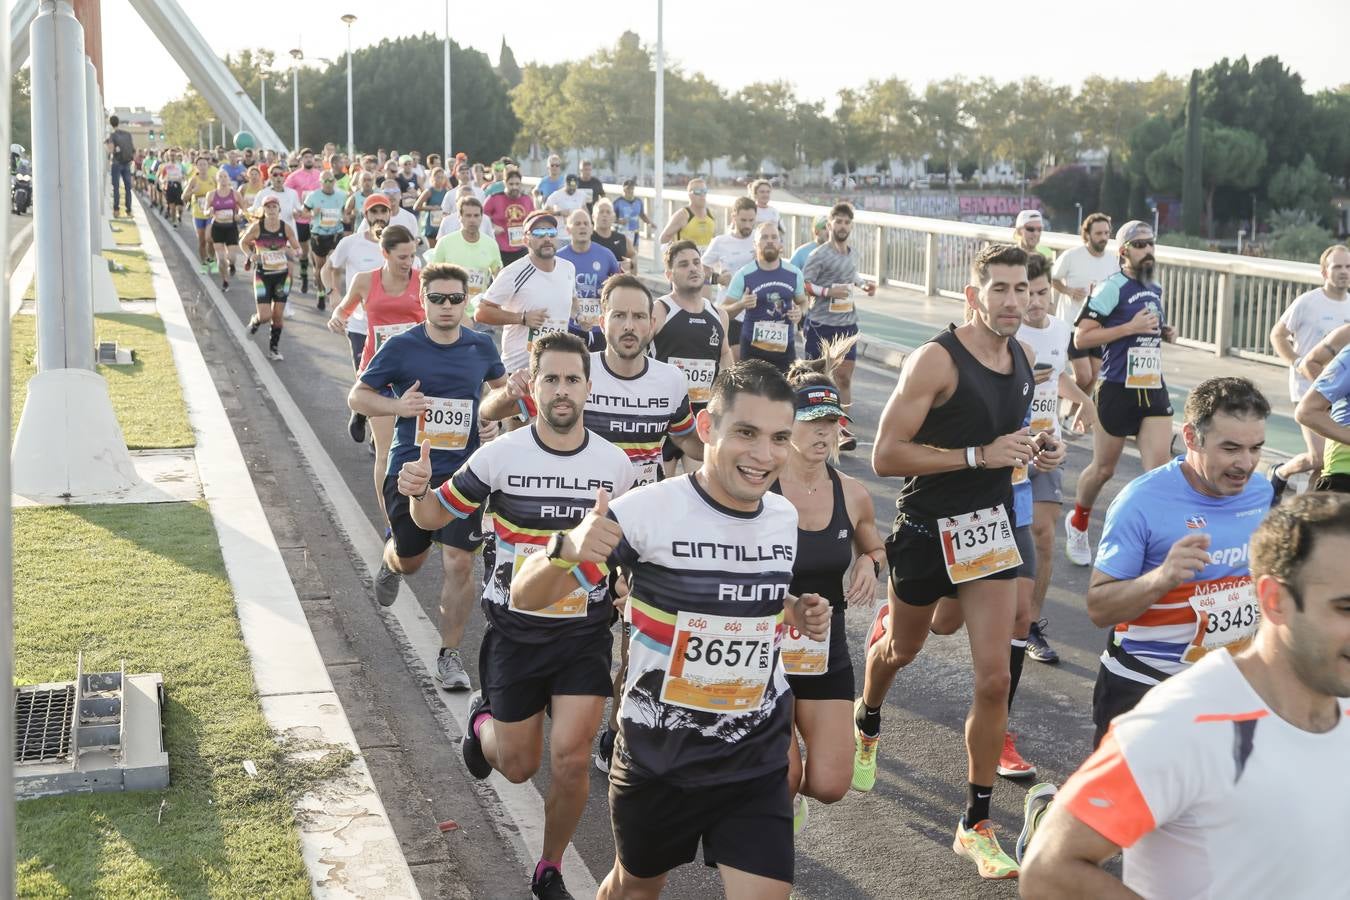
(1114, 196)
(942, 120)
(1302, 187)
(884, 125)
(696, 119)
(1067, 186)
(21, 108)
(1296, 235)
(1110, 109)
(507, 68)
(185, 118)
(609, 98)
(1192, 161)
(1234, 158)
(540, 107)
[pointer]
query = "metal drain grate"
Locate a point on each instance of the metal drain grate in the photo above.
(42, 718)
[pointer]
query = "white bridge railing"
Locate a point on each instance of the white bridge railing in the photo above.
(1219, 302)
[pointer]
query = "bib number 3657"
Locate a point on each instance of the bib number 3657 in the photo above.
(719, 664)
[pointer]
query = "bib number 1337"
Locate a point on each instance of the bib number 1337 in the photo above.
(978, 544)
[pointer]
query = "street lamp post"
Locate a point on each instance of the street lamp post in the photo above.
(446, 155)
(297, 54)
(1155, 220)
(262, 80)
(1079, 208)
(351, 141)
(659, 139)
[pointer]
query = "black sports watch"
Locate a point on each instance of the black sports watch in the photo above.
(553, 549)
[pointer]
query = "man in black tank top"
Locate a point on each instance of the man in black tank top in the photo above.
(953, 430)
(690, 332)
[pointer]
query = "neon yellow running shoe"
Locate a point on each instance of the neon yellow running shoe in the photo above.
(799, 814)
(980, 845)
(864, 758)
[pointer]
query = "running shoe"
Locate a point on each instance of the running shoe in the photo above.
(356, 427)
(1010, 762)
(879, 625)
(864, 758)
(1038, 648)
(224, 285)
(799, 814)
(1038, 801)
(304, 283)
(450, 674)
(386, 585)
(206, 268)
(846, 440)
(550, 886)
(253, 323)
(980, 845)
(248, 263)
(290, 311)
(231, 268)
(275, 355)
(471, 747)
(323, 301)
(1076, 543)
(604, 751)
(215, 267)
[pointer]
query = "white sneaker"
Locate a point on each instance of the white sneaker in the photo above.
(1076, 545)
(290, 312)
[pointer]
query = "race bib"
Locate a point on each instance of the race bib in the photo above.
(698, 375)
(1019, 475)
(515, 235)
(1227, 614)
(549, 325)
(385, 332)
(719, 664)
(1143, 368)
(770, 336)
(446, 423)
(407, 202)
(803, 656)
(478, 281)
(435, 217)
(274, 260)
(573, 606)
(329, 217)
(589, 309)
(1045, 407)
(978, 544)
(224, 216)
(844, 305)
(644, 471)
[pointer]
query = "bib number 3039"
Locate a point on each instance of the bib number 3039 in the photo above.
(978, 544)
(445, 423)
(1143, 368)
(719, 664)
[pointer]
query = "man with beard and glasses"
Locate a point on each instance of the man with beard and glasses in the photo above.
(551, 657)
(772, 294)
(831, 275)
(437, 371)
(725, 255)
(1125, 317)
(507, 211)
(1075, 276)
(706, 716)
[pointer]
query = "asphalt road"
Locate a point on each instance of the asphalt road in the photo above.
(892, 842)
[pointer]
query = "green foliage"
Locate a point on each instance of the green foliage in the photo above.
(1192, 161)
(507, 67)
(1064, 187)
(1302, 187)
(21, 109)
(1295, 234)
(1114, 196)
(1185, 241)
(1233, 158)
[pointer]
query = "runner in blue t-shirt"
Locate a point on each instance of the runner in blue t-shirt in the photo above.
(773, 295)
(1125, 317)
(594, 265)
(326, 227)
(630, 212)
(819, 234)
(437, 371)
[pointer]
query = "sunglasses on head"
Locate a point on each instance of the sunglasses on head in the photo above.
(454, 299)
(1141, 243)
(543, 232)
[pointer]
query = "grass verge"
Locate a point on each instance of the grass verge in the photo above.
(146, 396)
(131, 277)
(125, 232)
(146, 583)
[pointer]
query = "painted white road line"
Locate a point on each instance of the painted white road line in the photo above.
(348, 844)
(519, 811)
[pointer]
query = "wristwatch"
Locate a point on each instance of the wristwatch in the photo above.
(553, 549)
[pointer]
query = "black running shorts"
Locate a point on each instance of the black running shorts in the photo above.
(1121, 410)
(520, 679)
(836, 683)
(914, 554)
(410, 540)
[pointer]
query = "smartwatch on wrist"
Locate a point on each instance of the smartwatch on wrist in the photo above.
(553, 549)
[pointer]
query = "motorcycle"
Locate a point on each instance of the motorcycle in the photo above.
(20, 181)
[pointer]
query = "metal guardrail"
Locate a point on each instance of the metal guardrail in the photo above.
(1219, 302)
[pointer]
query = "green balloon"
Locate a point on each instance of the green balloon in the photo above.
(243, 140)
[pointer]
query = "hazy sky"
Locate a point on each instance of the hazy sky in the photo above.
(789, 39)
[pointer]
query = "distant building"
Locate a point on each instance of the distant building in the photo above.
(145, 127)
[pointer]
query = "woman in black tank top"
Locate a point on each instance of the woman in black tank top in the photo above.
(836, 519)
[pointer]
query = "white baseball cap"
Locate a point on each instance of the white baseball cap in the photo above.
(1027, 215)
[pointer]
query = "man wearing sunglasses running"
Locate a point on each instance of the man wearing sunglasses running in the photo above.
(437, 371)
(1124, 316)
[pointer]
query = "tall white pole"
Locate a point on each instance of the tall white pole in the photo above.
(295, 108)
(351, 130)
(263, 81)
(7, 830)
(658, 211)
(447, 154)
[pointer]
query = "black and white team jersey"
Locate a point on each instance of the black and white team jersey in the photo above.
(706, 700)
(532, 491)
(635, 414)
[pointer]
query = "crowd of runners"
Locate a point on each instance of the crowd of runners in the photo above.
(669, 548)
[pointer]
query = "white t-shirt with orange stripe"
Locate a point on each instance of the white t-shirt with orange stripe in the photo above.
(1214, 795)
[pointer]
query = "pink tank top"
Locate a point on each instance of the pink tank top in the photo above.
(389, 314)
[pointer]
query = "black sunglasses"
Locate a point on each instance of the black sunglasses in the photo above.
(1142, 243)
(454, 299)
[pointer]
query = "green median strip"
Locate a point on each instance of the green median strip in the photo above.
(146, 396)
(146, 583)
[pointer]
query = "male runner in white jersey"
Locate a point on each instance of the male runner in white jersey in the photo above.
(542, 657)
(1049, 338)
(1076, 274)
(706, 714)
(953, 428)
(726, 255)
(1171, 578)
(1229, 780)
(1310, 318)
(1125, 317)
(689, 332)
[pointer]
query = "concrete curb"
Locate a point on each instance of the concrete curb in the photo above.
(346, 839)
